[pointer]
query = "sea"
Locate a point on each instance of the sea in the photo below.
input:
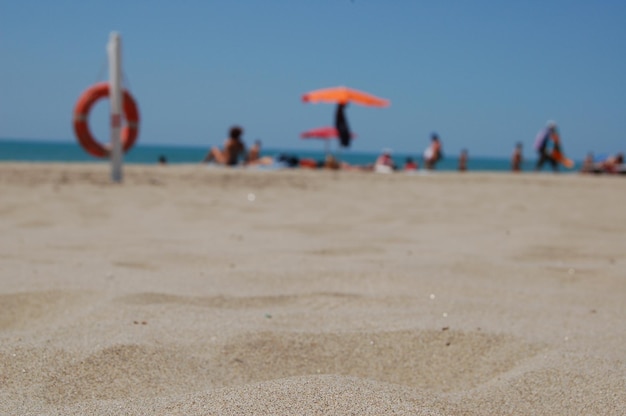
(33, 150)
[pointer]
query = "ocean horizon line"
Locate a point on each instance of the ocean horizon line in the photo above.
(267, 149)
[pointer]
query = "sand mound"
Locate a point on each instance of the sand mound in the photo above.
(568, 389)
(436, 361)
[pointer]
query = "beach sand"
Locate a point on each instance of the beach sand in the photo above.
(188, 290)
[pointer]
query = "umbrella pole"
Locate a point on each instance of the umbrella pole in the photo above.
(327, 147)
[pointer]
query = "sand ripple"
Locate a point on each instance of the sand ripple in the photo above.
(22, 310)
(434, 360)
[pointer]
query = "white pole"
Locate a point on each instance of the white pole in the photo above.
(115, 96)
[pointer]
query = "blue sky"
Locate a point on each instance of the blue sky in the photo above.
(483, 74)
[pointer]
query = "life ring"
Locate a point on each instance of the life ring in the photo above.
(87, 99)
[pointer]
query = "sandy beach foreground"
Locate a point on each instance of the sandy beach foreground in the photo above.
(196, 291)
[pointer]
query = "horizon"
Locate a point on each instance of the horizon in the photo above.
(484, 76)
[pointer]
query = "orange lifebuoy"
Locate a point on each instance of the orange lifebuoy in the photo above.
(81, 126)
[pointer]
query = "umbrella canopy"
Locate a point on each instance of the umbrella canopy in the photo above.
(344, 95)
(325, 133)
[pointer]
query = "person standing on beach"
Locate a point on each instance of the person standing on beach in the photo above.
(433, 153)
(545, 151)
(463, 160)
(517, 158)
(234, 148)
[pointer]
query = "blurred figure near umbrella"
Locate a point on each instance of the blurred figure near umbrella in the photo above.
(341, 124)
(234, 149)
(410, 164)
(331, 162)
(254, 156)
(287, 160)
(517, 158)
(433, 152)
(463, 160)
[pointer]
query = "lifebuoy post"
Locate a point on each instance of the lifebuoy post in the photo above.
(115, 97)
(122, 108)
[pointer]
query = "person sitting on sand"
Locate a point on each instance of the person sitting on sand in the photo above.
(234, 148)
(410, 164)
(254, 157)
(384, 163)
(612, 164)
(331, 162)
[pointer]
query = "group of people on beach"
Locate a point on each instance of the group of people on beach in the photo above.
(547, 145)
(234, 153)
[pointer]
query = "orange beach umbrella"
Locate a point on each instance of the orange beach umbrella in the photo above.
(344, 95)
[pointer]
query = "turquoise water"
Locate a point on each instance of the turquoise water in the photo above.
(48, 151)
